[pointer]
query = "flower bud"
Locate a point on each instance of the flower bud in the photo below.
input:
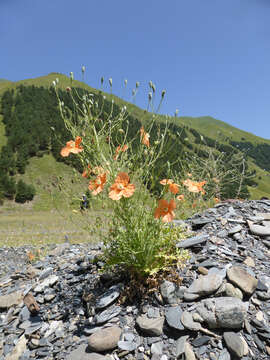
(102, 80)
(163, 93)
(121, 131)
(68, 89)
(83, 69)
(110, 82)
(57, 80)
(125, 82)
(176, 112)
(133, 92)
(150, 84)
(150, 96)
(137, 84)
(54, 84)
(153, 88)
(71, 75)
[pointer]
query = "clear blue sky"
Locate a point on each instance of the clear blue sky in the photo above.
(211, 56)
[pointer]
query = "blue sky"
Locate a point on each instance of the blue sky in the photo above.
(212, 57)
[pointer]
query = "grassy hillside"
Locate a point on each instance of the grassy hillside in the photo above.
(207, 126)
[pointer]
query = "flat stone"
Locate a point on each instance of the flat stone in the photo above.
(241, 278)
(189, 323)
(189, 354)
(14, 298)
(157, 348)
(105, 339)
(83, 353)
(236, 344)
(18, 350)
(153, 327)
(180, 345)
(108, 297)
(205, 285)
(232, 291)
(196, 240)
(249, 262)
(258, 229)
(173, 317)
(201, 340)
(107, 314)
(235, 229)
(222, 312)
(127, 345)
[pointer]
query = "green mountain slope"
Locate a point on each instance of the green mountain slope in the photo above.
(213, 132)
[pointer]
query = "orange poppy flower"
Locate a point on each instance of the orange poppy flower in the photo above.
(217, 200)
(144, 137)
(118, 149)
(97, 185)
(174, 188)
(98, 170)
(194, 186)
(165, 210)
(181, 197)
(86, 173)
(121, 187)
(189, 174)
(72, 147)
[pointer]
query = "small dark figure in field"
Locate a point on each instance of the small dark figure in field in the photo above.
(84, 203)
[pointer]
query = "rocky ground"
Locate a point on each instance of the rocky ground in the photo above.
(62, 307)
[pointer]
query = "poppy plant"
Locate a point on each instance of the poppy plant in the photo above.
(144, 137)
(72, 147)
(86, 173)
(194, 186)
(172, 186)
(118, 149)
(165, 210)
(97, 185)
(180, 197)
(121, 187)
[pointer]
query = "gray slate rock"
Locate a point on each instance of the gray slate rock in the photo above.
(173, 317)
(180, 346)
(205, 285)
(236, 344)
(105, 339)
(241, 278)
(223, 312)
(196, 240)
(152, 327)
(108, 297)
(83, 353)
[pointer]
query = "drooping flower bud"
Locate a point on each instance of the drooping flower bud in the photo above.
(163, 93)
(153, 88)
(150, 84)
(110, 82)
